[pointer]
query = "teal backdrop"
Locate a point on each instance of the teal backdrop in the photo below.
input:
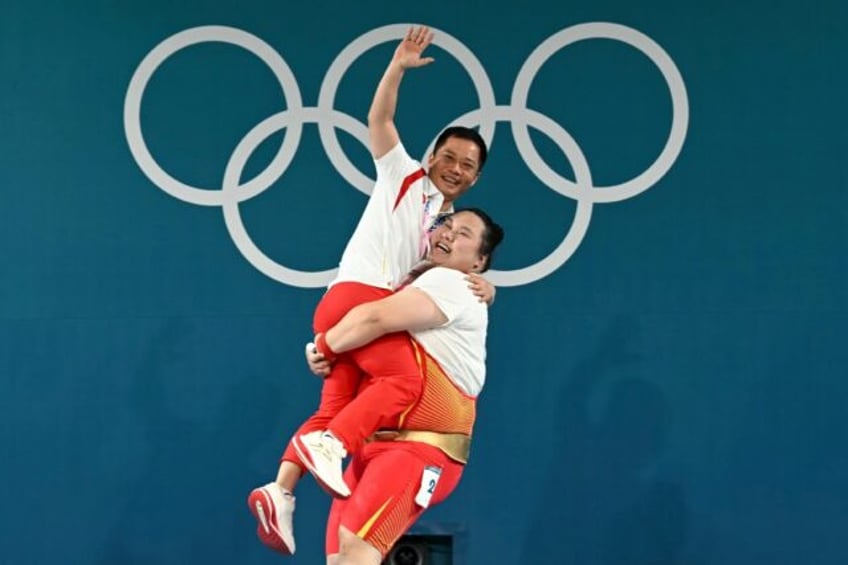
(669, 389)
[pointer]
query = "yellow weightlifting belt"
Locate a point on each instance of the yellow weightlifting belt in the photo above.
(455, 446)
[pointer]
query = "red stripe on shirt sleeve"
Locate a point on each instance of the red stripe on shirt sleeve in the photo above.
(404, 186)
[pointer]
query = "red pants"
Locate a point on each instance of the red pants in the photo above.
(385, 478)
(386, 368)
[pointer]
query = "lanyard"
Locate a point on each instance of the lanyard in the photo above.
(426, 220)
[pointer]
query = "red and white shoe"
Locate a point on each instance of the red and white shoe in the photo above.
(322, 454)
(273, 509)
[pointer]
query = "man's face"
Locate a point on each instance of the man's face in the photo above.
(456, 243)
(454, 168)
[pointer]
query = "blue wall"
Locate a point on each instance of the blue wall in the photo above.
(670, 394)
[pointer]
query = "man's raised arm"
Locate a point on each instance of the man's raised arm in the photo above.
(381, 116)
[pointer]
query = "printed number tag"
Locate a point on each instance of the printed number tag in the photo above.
(429, 480)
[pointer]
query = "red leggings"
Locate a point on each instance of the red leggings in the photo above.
(385, 476)
(386, 368)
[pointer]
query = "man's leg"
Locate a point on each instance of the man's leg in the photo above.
(341, 385)
(273, 504)
(288, 475)
(340, 299)
(394, 384)
(337, 391)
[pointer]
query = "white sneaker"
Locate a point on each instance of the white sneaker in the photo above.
(273, 508)
(322, 454)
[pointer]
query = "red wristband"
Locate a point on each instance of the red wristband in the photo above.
(324, 349)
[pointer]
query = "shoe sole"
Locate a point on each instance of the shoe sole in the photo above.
(260, 506)
(303, 454)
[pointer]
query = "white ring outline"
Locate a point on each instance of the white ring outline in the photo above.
(138, 84)
(230, 205)
(679, 100)
(520, 117)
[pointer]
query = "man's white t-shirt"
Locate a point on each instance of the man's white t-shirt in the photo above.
(389, 239)
(459, 345)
